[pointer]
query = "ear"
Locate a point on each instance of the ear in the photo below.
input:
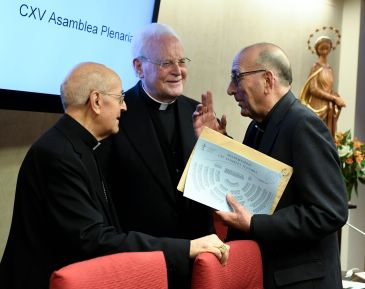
(269, 78)
(95, 101)
(137, 64)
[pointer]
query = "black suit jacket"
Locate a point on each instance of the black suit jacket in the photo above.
(61, 214)
(299, 241)
(145, 195)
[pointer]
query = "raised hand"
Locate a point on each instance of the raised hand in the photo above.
(204, 115)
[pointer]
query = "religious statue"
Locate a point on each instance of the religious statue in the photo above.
(317, 92)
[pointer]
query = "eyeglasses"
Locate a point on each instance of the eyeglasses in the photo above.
(119, 97)
(167, 63)
(236, 77)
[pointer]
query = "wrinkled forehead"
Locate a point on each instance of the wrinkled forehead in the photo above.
(236, 64)
(164, 47)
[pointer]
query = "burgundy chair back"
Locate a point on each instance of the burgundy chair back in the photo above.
(243, 270)
(142, 270)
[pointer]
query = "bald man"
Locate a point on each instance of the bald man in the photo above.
(298, 241)
(63, 212)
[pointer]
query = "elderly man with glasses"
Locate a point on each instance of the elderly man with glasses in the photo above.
(150, 151)
(298, 242)
(63, 211)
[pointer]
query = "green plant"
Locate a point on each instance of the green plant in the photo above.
(352, 156)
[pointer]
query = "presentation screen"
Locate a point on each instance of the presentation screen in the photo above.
(42, 40)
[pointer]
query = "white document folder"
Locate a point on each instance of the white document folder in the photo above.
(219, 164)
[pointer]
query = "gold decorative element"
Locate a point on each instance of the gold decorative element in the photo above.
(332, 29)
(285, 172)
(222, 248)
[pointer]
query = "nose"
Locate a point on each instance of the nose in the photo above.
(176, 68)
(123, 106)
(232, 88)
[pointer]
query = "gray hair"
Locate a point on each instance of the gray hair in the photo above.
(140, 43)
(273, 57)
(82, 80)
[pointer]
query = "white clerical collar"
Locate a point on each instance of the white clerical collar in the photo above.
(163, 105)
(96, 146)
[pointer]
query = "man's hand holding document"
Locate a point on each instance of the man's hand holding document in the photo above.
(219, 165)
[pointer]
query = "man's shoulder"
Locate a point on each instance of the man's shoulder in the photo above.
(133, 90)
(291, 106)
(51, 140)
(295, 115)
(58, 140)
(298, 110)
(300, 118)
(46, 149)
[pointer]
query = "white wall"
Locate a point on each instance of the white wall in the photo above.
(213, 31)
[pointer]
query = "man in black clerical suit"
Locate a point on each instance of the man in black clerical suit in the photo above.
(298, 242)
(155, 140)
(63, 212)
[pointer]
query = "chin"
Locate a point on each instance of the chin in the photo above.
(176, 91)
(115, 130)
(245, 113)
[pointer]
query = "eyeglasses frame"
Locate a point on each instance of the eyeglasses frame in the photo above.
(117, 96)
(236, 77)
(167, 63)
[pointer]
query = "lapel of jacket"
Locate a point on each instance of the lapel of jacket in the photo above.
(137, 126)
(185, 122)
(250, 134)
(273, 127)
(88, 162)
